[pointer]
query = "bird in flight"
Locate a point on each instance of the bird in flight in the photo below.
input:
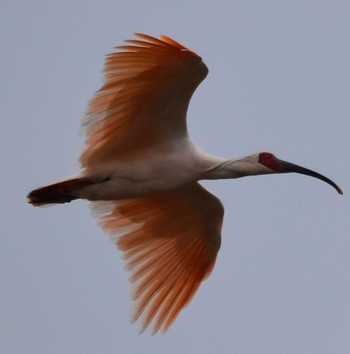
(140, 170)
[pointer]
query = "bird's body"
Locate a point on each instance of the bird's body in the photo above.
(140, 169)
(151, 171)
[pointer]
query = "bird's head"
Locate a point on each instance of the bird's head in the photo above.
(276, 165)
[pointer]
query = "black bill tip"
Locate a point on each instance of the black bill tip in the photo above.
(290, 167)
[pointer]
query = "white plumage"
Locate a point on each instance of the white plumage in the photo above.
(141, 170)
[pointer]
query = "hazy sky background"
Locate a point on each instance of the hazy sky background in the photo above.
(279, 81)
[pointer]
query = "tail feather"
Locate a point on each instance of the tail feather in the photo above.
(60, 192)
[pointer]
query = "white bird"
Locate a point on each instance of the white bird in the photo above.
(140, 169)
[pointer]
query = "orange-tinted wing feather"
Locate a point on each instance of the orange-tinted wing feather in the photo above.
(169, 242)
(147, 88)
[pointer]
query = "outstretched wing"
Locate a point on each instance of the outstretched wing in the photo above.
(169, 242)
(143, 101)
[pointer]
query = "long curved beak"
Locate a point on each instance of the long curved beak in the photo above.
(290, 167)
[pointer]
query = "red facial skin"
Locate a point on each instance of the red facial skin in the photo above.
(269, 160)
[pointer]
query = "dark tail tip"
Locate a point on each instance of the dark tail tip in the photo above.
(47, 195)
(57, 193)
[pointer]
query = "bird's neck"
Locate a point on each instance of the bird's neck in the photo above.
(236, 168)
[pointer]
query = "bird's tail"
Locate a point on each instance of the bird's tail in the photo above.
(60, 192)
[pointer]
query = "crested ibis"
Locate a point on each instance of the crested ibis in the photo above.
(140, 170)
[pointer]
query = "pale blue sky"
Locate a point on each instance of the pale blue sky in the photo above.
(279, 81)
